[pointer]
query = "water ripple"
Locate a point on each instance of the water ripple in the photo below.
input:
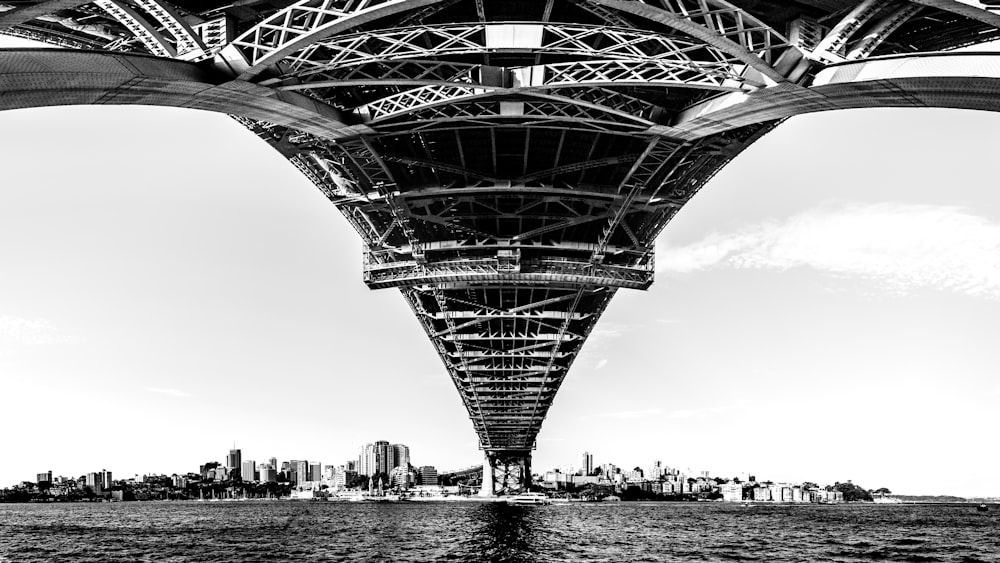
(190, 532)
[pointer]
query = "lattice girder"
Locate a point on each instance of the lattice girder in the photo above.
(302, 24)
(432, 42)
(512, 345)
(507, 176)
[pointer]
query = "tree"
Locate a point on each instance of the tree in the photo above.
(852, 492)
(358, 482)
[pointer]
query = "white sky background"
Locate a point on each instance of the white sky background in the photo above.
(826, 309)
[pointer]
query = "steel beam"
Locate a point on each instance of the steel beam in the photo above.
(958, 80)
(27, 12)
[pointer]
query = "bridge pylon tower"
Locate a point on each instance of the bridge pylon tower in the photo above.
(508, 164)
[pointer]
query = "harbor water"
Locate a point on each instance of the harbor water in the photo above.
(417, 532)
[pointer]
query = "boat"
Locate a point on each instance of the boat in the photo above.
(982, 508)
(529, 498)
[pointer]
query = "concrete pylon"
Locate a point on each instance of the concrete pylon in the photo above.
(487, 489)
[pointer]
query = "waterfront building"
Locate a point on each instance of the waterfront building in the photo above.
(428, 475)
(761, 494)
(248, 470)
(587, 465)
(799, 495)
(106, 478)
(731, 492)
(400, 477)
(44, 477)
(343, 477)
(775, 492)
(234, 460)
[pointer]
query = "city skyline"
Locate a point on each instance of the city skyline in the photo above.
(837, 324)
(315, 471)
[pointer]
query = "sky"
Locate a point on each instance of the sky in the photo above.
(826, 309)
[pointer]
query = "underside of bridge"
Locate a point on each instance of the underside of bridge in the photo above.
(507, 163)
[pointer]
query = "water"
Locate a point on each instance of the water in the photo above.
(316, 531)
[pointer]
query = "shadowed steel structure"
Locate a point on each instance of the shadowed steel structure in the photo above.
(508, 164)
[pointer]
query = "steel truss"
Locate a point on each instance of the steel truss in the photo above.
(145, 22)
(727, 21)
(507, 176)
(429, 42)
(301, 25)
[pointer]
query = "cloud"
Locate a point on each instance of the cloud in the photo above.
(602, 363)
(15, 331)
(902, 247)
(630, 415)
(171, 392)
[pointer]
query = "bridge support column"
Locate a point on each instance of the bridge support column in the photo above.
(506, 473)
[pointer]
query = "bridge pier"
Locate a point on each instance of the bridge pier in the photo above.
(506, 473)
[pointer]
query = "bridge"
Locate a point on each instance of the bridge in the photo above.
(508, 164)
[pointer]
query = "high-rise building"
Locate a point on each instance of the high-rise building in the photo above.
(381, 457)
(655, 471)
(368, 460)
(588, 463)
(428, 475)
(351, 465)
(274, 463)
(94, 482)
(268, 474)
(301, 471)
(105, 478)
(44, 477)
(316, 471)
(247, 470)
(401, 456)
(235, 459)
